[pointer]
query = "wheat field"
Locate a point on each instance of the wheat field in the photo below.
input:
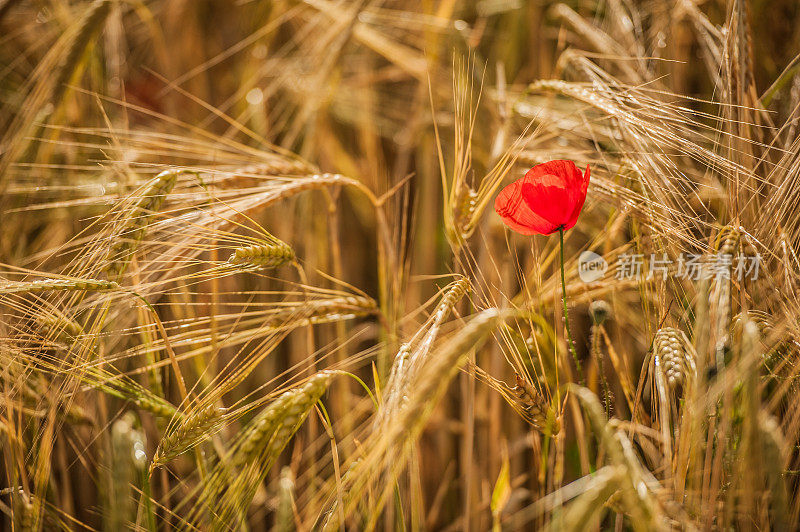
(252, 278)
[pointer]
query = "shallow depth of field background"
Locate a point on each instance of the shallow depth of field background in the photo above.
(251, 277)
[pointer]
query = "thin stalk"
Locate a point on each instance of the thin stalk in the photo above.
(564, 301)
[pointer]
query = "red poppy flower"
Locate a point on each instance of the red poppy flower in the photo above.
(550, 197)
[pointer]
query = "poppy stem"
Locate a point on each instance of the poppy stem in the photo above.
(564, 301)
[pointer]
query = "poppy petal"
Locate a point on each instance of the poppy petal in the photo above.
(516, 214)
(580, 200)
(535, 175)
(553, 203)
(566, 170)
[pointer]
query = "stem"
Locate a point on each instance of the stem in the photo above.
(564, 301)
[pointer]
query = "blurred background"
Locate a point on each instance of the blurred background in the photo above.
(98, 97)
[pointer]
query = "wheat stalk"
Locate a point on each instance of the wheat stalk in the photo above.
(277, 167)
(272, 428)
(127, 459)
(773, 447)
(284, 513)
(319, 311)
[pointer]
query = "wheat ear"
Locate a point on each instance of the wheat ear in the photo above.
(675, 356)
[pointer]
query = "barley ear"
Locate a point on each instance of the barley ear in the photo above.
(231, 487)
(44, 285)
(266, 255)
(134, 226)
(90, 25)
(192, 429)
